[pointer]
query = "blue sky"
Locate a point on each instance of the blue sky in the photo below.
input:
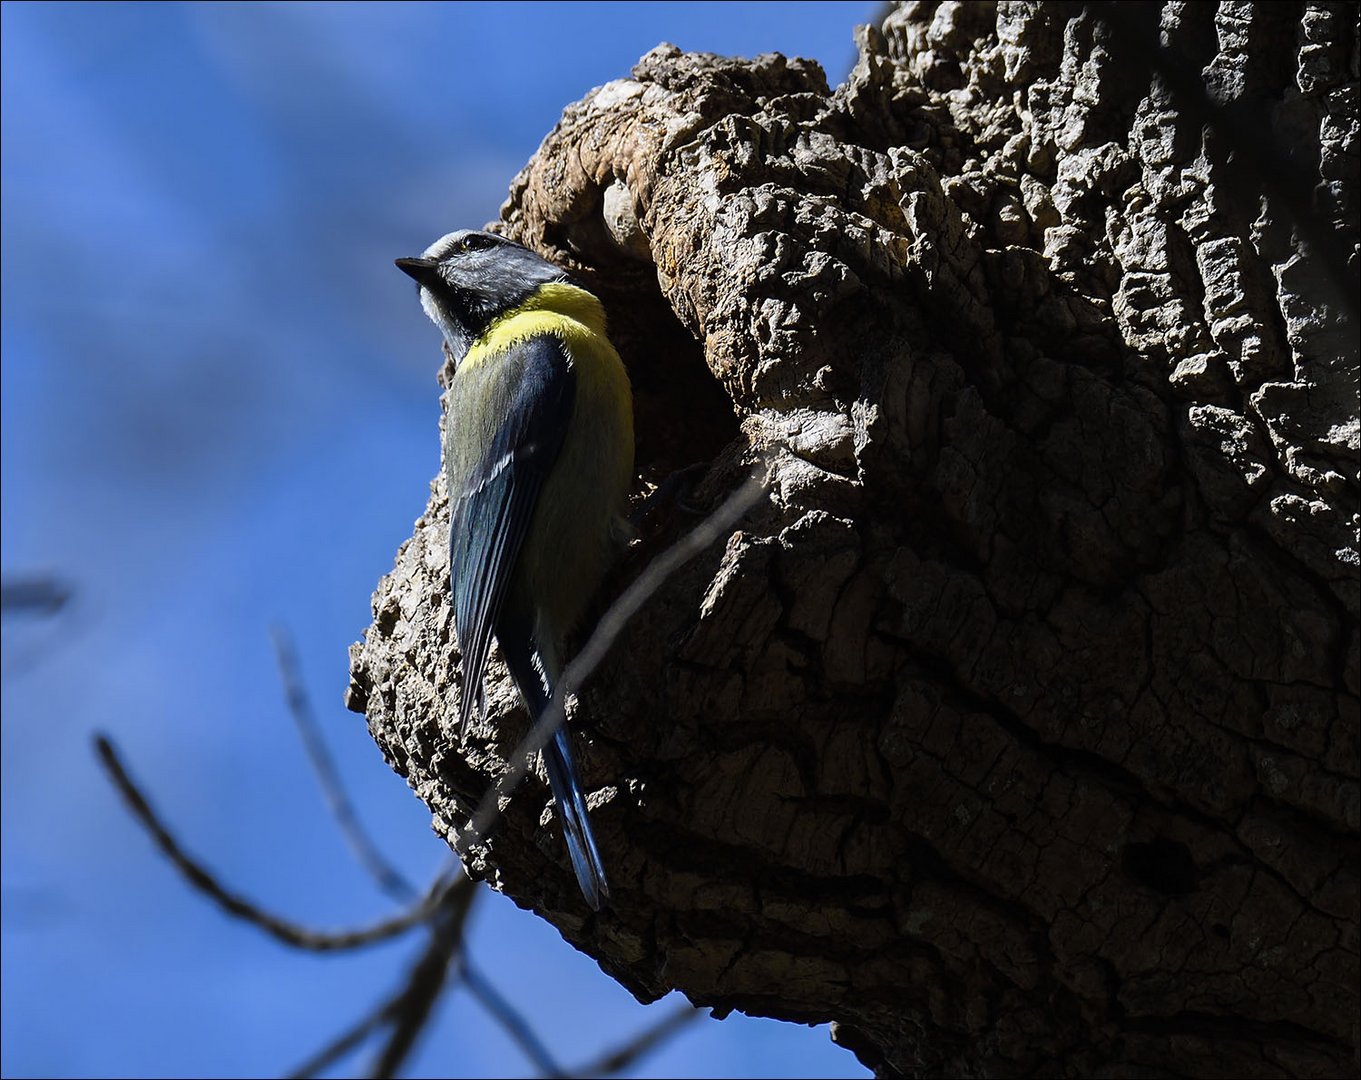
(218, 410)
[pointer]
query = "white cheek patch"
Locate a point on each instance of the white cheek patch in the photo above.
(431, 308)
(453, 333)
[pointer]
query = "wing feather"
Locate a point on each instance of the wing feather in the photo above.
(491, 515)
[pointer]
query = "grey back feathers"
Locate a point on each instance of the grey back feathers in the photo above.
(468, 277)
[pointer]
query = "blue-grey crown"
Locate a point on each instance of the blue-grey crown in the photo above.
(469, 277)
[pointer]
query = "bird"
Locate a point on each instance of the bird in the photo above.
(538, 459)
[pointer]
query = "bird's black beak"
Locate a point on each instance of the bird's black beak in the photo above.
(424, 271)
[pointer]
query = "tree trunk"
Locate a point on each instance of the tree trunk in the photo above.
(1016, 730)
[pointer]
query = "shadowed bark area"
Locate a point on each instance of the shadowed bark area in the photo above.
(1016, 731)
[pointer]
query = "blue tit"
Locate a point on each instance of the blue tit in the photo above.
(538, 454)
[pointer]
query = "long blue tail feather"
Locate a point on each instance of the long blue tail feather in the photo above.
(535, 689)
(576, 822)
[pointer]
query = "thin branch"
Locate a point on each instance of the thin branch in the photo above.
(41, 595)
(598, 646)
(621, 1058)
(346, 1041)
(290, 933)
(412, 1007)
(510, 1019)
(388, 878)
(457, 898)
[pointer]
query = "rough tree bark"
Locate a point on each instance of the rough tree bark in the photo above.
(1017, 730)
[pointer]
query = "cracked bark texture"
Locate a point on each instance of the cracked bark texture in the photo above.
(1016, 731)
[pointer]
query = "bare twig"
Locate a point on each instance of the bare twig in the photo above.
(645, 1042)
(392, 882)
(41, 595)
(294, 934)
(511, 1021)
(346, 1041)
(421, 987)
(411, 1008)
(602, 638)
(388, 878)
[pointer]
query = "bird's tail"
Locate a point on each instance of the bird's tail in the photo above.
(534, 688)
(576, 823)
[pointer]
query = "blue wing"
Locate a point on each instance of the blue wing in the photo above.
(491, 515)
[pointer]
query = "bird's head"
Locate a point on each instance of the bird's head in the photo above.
(468, 278)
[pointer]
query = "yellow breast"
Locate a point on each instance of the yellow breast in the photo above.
(576, 522)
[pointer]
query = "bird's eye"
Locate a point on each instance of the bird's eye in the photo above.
(476, 242)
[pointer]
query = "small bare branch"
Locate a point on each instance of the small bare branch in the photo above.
(387, 877)
(509, 1018)
(290, 933)
(411, 1008)
(457, 898)
(39, 595)
(346, 1041)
